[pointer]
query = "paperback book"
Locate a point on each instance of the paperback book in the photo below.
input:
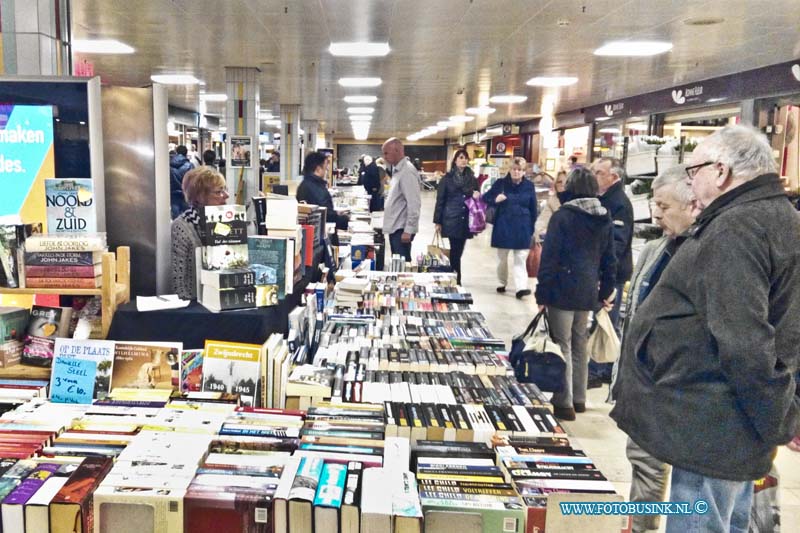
(232, 367)
(145, 365)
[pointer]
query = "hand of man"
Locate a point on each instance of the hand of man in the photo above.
(500, 198)
(438, 228)
(405, 237)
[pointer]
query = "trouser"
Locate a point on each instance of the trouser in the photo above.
(727, 503)
(603, 371)
(398, 246)
(570, 329)
(456, 251)
(519, 270)
(648, 484)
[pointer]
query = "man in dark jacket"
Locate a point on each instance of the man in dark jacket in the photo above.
(314, 188)
(709, 366)
(179, 165)
(373, 185)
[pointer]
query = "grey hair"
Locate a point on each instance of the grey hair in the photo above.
(675, 178)
(616, 167)
(742, 148)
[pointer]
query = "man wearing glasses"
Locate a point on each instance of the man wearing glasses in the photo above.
(711, 354)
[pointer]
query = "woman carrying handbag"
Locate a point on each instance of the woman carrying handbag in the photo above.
(451, 215)
(577, 258)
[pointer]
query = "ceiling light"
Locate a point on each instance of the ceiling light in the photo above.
(443, 123)
(175, 79)
(359, 82)
(439, 128)
(220, 97)
(633, 48)
(273, 122)
(608, 130)
(482, 110)
(461, 118)
(266, 116)
(361, 99)
(361, 117)
(360, 110)
(552, 81)
(412, 138)
(360, 123)
(508, 99)
(359, 49)
(101, 46)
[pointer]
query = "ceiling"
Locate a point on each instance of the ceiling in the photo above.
(446, 55)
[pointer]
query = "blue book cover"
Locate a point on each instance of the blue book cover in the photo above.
(70, 205)
(268, 259)
(331, 485)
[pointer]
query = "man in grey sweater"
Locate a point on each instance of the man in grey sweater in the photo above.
(402, 206)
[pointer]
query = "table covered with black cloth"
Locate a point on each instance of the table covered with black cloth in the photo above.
(194, 324)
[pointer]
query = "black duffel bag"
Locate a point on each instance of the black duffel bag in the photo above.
(536, 358)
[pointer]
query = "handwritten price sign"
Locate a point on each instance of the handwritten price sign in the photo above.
(73, 380)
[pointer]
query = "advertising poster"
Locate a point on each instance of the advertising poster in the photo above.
(70, 205)
(241, 148)
(26, 160)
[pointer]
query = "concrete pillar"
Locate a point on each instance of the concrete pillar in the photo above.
(35, 37)
(290, 142)
(241, 119)
(310, 136)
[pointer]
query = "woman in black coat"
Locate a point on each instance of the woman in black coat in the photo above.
(451, 215)
(576, 276)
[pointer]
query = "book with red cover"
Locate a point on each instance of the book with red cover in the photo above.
(71, 510)
(55, 271)
(211, 509)
(308, 253)
(63, 283)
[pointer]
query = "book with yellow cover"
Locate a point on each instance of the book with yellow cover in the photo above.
(232, 367)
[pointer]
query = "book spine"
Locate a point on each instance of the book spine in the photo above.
(229, 280)
(61, 259)
(61, 271)
(238, 298)
(331, 485)
(56, 244)
(62, 283)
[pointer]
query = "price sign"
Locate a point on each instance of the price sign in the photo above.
(73, 380)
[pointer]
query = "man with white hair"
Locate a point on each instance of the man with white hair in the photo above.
(710, 356)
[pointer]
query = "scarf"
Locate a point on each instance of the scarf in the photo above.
(193, 215)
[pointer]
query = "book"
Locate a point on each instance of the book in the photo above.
(49, 321)
(224, 257)
(81, 370)
(309, 380)
(228, 299)
(62, 259)
(328, 499)
(87, 271)
(191, 371)
(349, 517)
(227, 279)
(376, 503)
(13, 323)
(66, 242)
(233, 368)
(224, 224)
(38, 351)
(301, 495)
(64, 283)
(70, 205)
(281, 497)
(272, 259)
(13, 507)
(117, 508)
(144, 365)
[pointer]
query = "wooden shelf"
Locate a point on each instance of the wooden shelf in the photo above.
(116, 288)
(25, 372)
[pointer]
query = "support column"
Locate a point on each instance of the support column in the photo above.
(290, 142)
(310, 136)
(35, 37)
(241, 119)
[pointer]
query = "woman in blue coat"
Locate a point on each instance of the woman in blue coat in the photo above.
(514, 198)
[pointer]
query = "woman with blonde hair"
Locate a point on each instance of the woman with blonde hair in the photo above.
(201, 187)
(551, 205)
(514, 200)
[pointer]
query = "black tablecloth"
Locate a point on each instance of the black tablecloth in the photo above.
(194, 324)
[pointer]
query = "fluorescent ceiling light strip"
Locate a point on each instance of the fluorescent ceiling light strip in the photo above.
(361, 117)
(360, 82)
(508, 99)
(175, 79)
(633, 48)
(361, 99)
(552, 81)
(360, 110)
(359, 49)
(481, 110)
(101, 46)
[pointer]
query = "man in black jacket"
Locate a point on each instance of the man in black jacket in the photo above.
(314, 188)
(712, 353)
(372, 184)
(179, 165)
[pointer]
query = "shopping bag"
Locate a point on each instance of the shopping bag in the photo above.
(603, 345)
(534, 257)
(437, 247)
(765, 512)
(477, 215)
(536, 358)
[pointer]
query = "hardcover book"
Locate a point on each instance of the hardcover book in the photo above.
(13, 323)
(228, 299)
(71, 508)
(227, 279)
(64, 283)
(232, 367)
(224, 257)
(224, 224)
(144, 365)
(66, 242)
(70, 205)
(62, 259)
(191, 371)
(272, 259)
(63, 271)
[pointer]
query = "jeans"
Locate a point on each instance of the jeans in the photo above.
(398, 246)
(648, 484)
(728, 502)
(570, 329)
(519, 269)
(456, 251)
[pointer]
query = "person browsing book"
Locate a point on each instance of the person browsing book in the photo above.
(451, 216)
(314, 188)
(201, 187)
(403, 202)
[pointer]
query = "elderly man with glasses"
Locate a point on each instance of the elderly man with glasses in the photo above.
(711, 354)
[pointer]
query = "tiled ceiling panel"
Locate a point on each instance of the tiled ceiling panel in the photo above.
(446, 55)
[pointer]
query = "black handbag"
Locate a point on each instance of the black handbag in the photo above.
(537, 359)
(491, 210)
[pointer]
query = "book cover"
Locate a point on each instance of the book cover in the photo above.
(81, 370)
(149, 508)
(232, 367)
(13, 323)
(212, 509)
(66, 242)
(191, 370)
(62, 259)
(38, 351)
(224, 224)
(272, 259)
(228, 299)
(49, 322)
(144, 366)
(224, 257)
(63, 271)
(63, 283)
(227, 279)
(331, 485)
(70, 205)
(307, 479)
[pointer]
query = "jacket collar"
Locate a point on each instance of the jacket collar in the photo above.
(760, 188)
(315, 178)
(613, 189)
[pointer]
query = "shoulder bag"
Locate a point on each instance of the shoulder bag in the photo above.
(536, 358)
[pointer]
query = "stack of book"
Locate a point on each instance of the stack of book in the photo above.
(268, 426)
(349, 292)
(64, 260)
(224, 280)
(344, 432)
(313, 216)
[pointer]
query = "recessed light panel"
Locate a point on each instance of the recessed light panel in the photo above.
(508, 99)
(361, 117)
(360, 110)
(359, 82)
(175, 79)
(101, 46)
(480, 111)
(360, 99)
(359, 49)
(633, 48)
(552, 81)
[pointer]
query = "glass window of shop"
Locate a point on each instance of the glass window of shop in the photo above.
(779, 119)
(685, 129)
(607, 140)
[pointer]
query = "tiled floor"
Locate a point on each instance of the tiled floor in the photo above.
(594, 430)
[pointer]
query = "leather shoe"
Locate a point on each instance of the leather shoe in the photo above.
(501, 289)
(521, 294)
(564, 413)
(580, 407)
(594, 382)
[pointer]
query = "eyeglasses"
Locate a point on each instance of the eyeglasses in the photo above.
(219, 192)
(692, 170)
